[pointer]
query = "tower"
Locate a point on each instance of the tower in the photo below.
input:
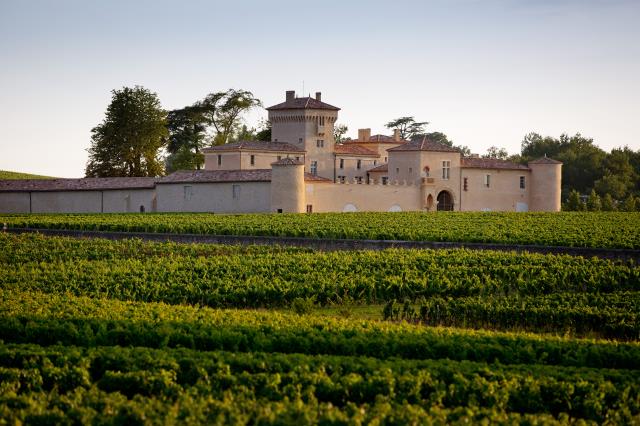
(307, 123)
(287, 186)
(546, 185)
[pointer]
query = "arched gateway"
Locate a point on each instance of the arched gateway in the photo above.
(445, 201)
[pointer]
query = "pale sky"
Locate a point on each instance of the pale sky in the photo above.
(483, 72)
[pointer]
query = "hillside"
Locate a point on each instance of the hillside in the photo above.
(4, 174)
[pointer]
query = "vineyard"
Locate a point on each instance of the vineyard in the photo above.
(573, 229)
(132, 332)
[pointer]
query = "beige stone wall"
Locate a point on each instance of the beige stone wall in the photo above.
(247, 197)
(129, 200)
(66, 202)
(14, 202)
(351, 171)
(334, 197)
(230, 161)
(292, 125)
(503, 194)
(546, 180)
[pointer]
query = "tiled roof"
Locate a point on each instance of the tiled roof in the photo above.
(354, 150)
(82, 184)
(380, 168)
(287, 161)
(255, 146)
(206, 176)
(490, 163)
(545, 160)
(215, 176)
(378, 139)
(424, 144)
(303, 103)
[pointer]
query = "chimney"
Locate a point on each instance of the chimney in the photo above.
(291, 95)
(396, 135)
(364, 135)
(318, 96)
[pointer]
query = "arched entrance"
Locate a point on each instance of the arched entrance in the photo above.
(445, 201)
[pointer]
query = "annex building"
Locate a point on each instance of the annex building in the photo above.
(303, 169)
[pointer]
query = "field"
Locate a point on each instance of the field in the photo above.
(4, 174)
(575, 229)
(132, 332)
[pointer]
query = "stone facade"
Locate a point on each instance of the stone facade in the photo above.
(302, 169)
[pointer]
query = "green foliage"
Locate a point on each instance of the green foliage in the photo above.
(223, 111)
(594, 203)
(495, 152)
(4, 174)
(302, 305)
(128, 141)
(608, 204)
(630, 204)
(574, 202)
(590, 229)
(187, 130)
(339, 130)
(408, 127)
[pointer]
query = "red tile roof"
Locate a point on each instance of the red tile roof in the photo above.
(424, 144)
(303, 103)
(490, 163)
(82, 184)
(380, 168)
(355, 150)
(255, 146)
(377, 139)
(214, 176)
(545, 160)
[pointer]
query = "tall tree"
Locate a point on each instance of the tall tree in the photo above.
(495, 152)
(264, 131)
(408, 127)
(187, 130)
(339, 130)
(223, 111)
(128, 141)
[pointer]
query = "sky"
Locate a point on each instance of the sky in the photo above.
(485, 73)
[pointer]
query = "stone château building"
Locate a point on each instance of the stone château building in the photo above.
(302, 169)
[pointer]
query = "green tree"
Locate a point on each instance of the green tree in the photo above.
(629, 204)
(407, 126)
(495, 152)
(264, 131)
(187, 131)
(128, 141)
(574, 203)
(224, 110)
(594, 203)
(614, 185)
(608, 205)
(339, 130)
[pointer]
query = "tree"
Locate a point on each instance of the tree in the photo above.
(574, 203)
(408, 127)
(608, 205)
(187, 130)
(339, 130)
(594, 204)
(629, 204)
(264, 131)
(223, 111)
(128, 141)
(495, 152)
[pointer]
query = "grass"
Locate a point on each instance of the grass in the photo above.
(5, 174)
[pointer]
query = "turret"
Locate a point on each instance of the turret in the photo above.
(287, 186)
(546, 185)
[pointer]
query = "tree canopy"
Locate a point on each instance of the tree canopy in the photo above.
(223, 111)
(407, 126)
(128, 141)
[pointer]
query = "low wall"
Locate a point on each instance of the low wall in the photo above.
(335, 244)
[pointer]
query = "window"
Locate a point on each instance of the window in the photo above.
(385, 180)
(297, 158)
(465, 184)
(375, 162)
(236, 192)
(341, 179)
(279, 210)
(410, 170)
(446, 167)
(487, 181)
(342, 163)
(359, 179)
(219, 160)
(314, 168)
(253, 160)
(359, 165)
(309, 208)
(321, 121)
(385, 159)
(188, 192)
(320, 143)
(522, 182)
(279, 157)
(397, 169)
(299, 140)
